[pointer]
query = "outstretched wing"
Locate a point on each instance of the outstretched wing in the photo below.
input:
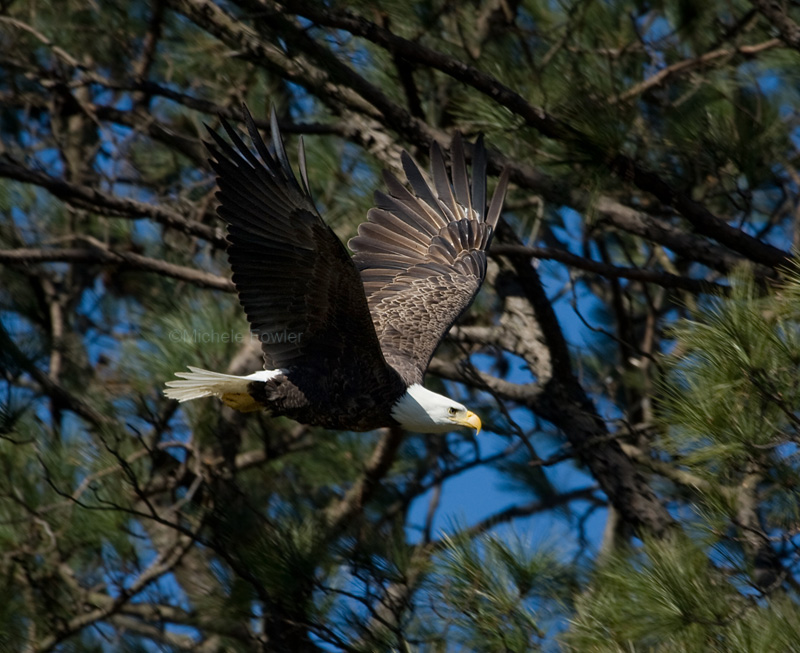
(422, 256)
(299, 288)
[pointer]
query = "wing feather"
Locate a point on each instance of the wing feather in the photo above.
(423, 191)
(479, 178)
(422, 255)
(409, 212)
(441, 181)
(496, 206)
(292, 273)
(460, 177)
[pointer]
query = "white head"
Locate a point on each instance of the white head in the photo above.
(424, 411)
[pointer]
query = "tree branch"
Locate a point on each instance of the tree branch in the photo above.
(160, 566)
(664, 279)
(774, 11)
(99, 254)
(663, 75)
(96, 201)
(376, 468)
(625, 167)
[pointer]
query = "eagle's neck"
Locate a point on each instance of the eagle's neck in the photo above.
(415, 410)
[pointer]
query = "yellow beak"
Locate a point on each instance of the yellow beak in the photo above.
(472, 421)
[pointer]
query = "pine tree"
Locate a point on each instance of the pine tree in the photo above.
(634, 353)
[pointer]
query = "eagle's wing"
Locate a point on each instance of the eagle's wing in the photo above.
(299, 288)
(422, 256)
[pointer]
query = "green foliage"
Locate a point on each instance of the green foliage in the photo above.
(498, 596)
(731, 388)
(665, 597)
(727, 410)
(54, 522)
(103, 481)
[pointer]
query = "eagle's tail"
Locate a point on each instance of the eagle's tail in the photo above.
(231, 389)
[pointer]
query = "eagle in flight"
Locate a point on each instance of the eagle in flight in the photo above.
(346, 340)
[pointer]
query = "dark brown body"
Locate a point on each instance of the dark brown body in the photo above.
(330, 404)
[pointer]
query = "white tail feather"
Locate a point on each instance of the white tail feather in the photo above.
(200, 383)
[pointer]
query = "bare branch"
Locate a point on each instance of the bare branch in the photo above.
(97, 253)
(161, 565)
(664, 279)
(715, 56)
(105, 204)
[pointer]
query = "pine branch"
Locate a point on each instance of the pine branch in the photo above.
(527, 509)
(404, 123)
(101, 203)
(338, 514)
(774, 11)
(678, 68)
(162, 565)
(685, 244)
(172, 641)
(701, 218)
(51, 388)
(247, 44)
(664, 279)
(97, 253)
(147, 58)
(558, 397)
(524, 394)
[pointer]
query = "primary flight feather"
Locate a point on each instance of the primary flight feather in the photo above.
(346, 341)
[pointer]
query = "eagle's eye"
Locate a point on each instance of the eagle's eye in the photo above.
(452, 411)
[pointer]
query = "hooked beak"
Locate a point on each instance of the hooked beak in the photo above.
(472, 421)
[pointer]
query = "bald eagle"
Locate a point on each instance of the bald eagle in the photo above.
(346, 341)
